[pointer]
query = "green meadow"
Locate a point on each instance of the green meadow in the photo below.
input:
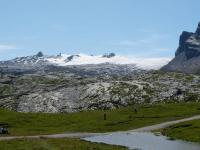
(189, 131)
(93, 121)
(55, 144)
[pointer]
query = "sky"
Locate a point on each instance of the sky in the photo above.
(141, 28)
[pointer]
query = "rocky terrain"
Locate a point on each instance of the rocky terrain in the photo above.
(187, 57)
(60, 91)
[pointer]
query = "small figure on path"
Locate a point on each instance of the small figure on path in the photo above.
(135, 109)
(104, 116)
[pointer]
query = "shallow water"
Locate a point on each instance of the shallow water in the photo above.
(144, 141)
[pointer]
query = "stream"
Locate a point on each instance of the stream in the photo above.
(143, 141)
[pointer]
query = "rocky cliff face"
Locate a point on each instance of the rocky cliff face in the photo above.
(187, 56)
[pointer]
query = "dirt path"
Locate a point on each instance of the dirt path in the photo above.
(163, 125)
(64, 135)
(82, 135)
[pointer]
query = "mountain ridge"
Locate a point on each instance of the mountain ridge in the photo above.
(187, 55)
(40, 60)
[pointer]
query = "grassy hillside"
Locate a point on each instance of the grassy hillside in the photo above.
(55, 144)
(93, 121)
(189, 131)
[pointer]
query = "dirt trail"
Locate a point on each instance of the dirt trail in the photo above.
(85, 134)
(163, 125)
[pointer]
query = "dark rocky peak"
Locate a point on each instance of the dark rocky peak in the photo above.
(40, 54)
(184, 36)
(187, 56)
(72, 57)
(189, 43)
(197, 33)
(109, 55)
(59, 55)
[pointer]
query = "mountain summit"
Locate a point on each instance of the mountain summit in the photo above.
(187, 56)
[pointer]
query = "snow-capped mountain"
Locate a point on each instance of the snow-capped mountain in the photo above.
(83, 59)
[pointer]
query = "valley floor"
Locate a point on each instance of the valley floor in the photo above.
(93, 121)
(90, 121)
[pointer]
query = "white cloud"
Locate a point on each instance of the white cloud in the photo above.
(147, 38)
(133, 43)
(162, 49)
(146, 31)
(32, 37)
(146, 44)
(5, 47)
(151, 40)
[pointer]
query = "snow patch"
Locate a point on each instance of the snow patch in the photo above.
(144, 63)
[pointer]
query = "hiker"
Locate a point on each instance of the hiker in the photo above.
(135, 109)
(104, 116)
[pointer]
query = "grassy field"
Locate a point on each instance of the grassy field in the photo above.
(55, 144)
(189, 131)
(93, 121)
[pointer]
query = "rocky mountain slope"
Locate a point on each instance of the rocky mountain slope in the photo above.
(40, 61)
(187, 57)
(67, 92)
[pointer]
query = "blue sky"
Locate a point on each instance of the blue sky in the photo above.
(145, 28)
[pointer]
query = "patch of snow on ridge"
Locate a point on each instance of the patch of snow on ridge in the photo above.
(59, 60)
(83, 59)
